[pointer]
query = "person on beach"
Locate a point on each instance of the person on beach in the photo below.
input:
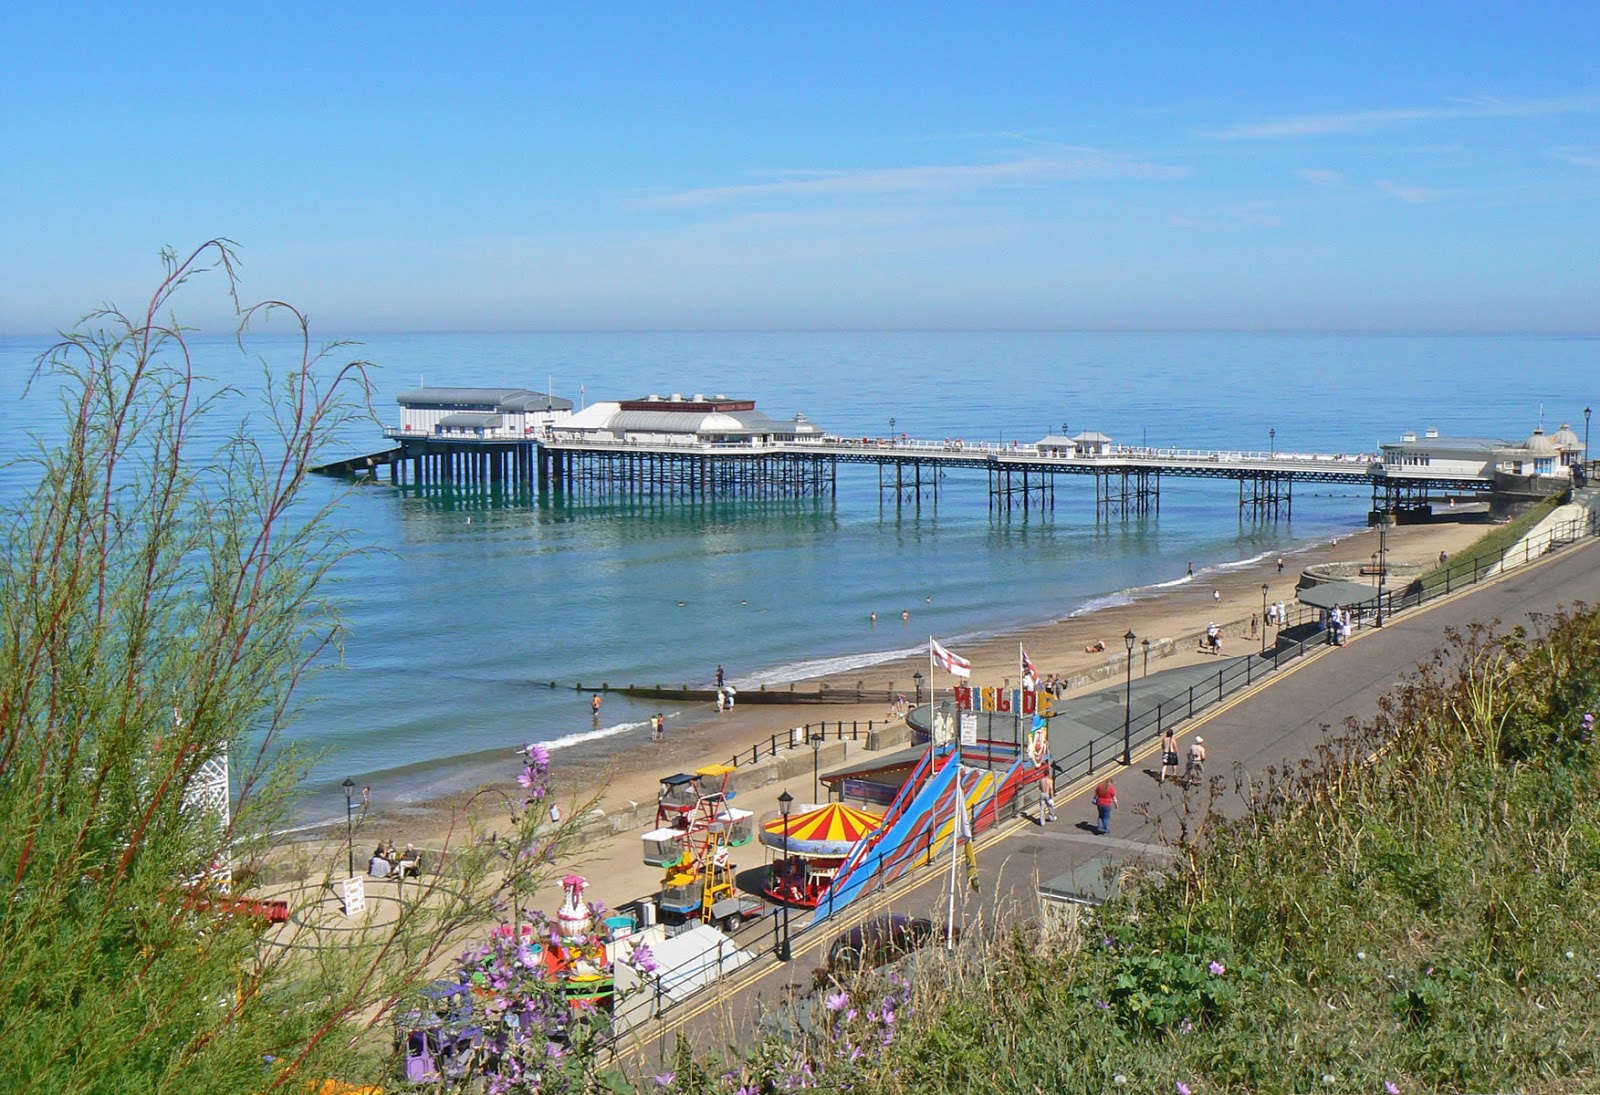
(1280, 564)
(1096, 647)
(719, 676)
(722, 701)
(1216, 595)
(1105, 800)
(1191, 570)
(1169, 755)
(594, 705)
(1255, 625)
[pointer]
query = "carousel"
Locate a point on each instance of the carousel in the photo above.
(812, 849)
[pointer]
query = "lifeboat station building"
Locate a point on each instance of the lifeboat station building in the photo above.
(479, 414)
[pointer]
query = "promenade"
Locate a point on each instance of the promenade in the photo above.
(1281, 723)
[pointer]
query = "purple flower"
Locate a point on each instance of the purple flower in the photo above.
(1183, 1088)
(838, 1001)
(526, 956)
(1391, 1087)
(1217, 969)
(644, 960)
(665, 1079)
(526, 777)
(888, 1017)
(1186, 1027)
(1102, 1005)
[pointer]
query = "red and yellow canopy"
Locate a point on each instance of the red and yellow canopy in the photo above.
(828, 831)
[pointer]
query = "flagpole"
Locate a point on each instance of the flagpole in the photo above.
(956, 796)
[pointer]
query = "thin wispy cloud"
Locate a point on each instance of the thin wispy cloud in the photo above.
(1318, 176)
(1063, 165)
(1416, 195)
(1360, 121)
(1579, 157)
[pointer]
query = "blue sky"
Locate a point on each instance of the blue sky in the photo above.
(1421, 167)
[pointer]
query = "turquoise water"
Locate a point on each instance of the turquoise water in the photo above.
(455, 624)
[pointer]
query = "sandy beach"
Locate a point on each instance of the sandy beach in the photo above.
(1179, 612)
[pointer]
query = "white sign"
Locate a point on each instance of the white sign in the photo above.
(969, 728)
(355, 895)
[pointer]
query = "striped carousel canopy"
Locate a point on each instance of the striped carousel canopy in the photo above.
(829, 831)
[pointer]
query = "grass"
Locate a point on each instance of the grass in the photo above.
(1487, 548)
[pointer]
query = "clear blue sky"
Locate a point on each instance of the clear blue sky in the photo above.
(512, 167)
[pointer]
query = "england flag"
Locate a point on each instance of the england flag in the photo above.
(953, 663)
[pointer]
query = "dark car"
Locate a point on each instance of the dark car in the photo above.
(881, 940)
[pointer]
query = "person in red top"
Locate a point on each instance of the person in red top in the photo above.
(1105, 797)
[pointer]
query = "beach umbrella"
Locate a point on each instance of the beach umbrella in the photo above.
(831, 830)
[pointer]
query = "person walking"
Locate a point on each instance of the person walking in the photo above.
(1047, 795)
(1197, 760)
(1105, 800)
(1280, 564)
(594, 705)
(1169, 755)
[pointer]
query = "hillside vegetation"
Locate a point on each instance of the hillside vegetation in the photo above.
(1413, 911)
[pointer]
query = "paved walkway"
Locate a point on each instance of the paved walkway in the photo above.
(1283, 721)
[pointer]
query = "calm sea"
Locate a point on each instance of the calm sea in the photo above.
(469, 609)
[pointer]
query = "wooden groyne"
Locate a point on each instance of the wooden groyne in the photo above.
(761, 695)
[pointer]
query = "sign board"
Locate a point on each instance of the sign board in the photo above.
(355, 895)
(969, 728)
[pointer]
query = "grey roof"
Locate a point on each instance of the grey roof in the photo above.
(505, 400)
(1567, 438)
(471, 420)
(1092, 437)
(1541, 442)
(1457, 444)
(1055, 441)
(1326, 595)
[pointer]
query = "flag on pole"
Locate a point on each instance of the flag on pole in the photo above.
(1030, 672)
(953, 663)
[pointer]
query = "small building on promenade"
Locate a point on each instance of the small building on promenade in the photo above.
(479, 414)
(691, 420)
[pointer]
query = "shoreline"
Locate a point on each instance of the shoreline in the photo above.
(1176, 609)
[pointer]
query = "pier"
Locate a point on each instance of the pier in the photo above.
(704, 447)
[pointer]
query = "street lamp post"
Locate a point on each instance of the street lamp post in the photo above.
(1586, 439)
(1127, 702)
(1146, 644)
(1383, 565)
(916, 679)
(1263, 618)
(891, 429)
(785, 801)
(816, 763)
(349, 823)
(1272, 441)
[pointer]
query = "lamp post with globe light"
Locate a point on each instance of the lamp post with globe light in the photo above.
(349, 823)
(1127, 702)
(785, 801)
